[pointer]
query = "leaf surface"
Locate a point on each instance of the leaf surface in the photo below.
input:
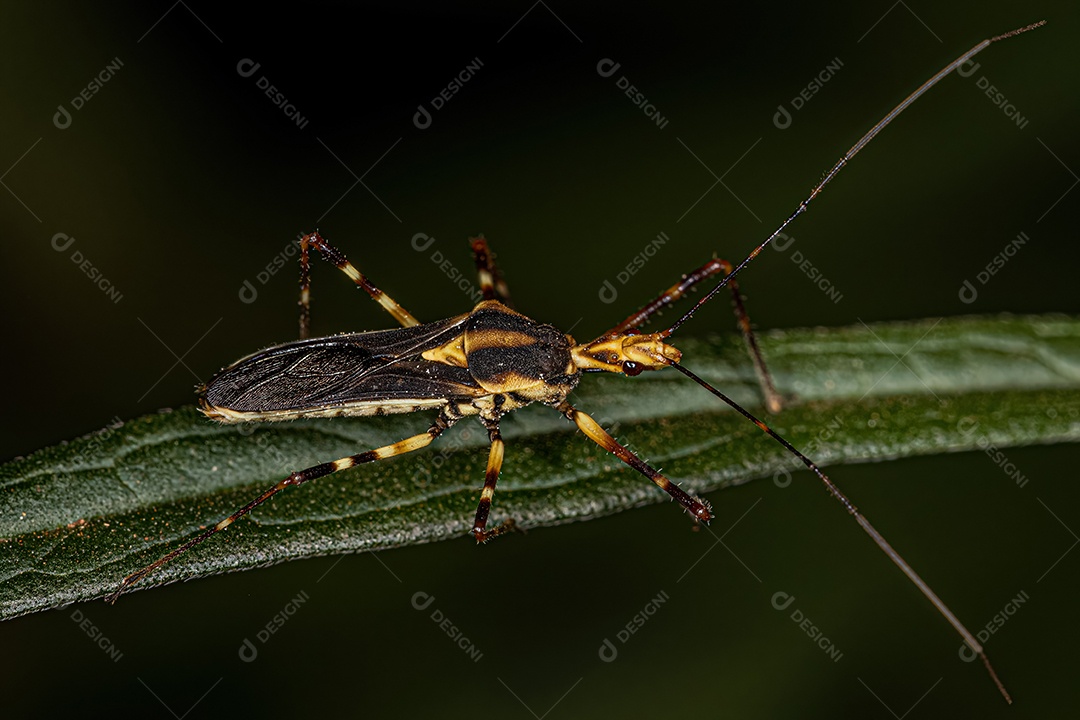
(76, 518)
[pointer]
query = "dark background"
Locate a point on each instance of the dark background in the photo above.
(179, 180)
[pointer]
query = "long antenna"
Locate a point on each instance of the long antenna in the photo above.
(845, 160)
(865, 525)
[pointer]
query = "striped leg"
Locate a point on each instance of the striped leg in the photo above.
(297, 478)
(491, 476)
(678, 290)
(492, 284)
(695, 506)
(335, 256)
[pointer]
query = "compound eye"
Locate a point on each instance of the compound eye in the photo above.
(631, 368)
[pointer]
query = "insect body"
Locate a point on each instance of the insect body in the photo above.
(488, 362)
(485, 363)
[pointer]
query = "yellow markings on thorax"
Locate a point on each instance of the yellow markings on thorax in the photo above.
(449, 353)
(508, 379)
(492, 338)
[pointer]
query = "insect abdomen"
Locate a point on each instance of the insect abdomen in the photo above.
(373, 373)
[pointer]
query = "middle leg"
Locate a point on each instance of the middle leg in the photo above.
(491, 476)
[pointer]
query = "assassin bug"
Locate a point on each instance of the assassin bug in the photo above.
(490, 361)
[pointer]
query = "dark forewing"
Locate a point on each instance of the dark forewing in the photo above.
(351, 370)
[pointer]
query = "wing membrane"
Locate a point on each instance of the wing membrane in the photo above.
(357, 374)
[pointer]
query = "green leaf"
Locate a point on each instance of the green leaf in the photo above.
(78, 517)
